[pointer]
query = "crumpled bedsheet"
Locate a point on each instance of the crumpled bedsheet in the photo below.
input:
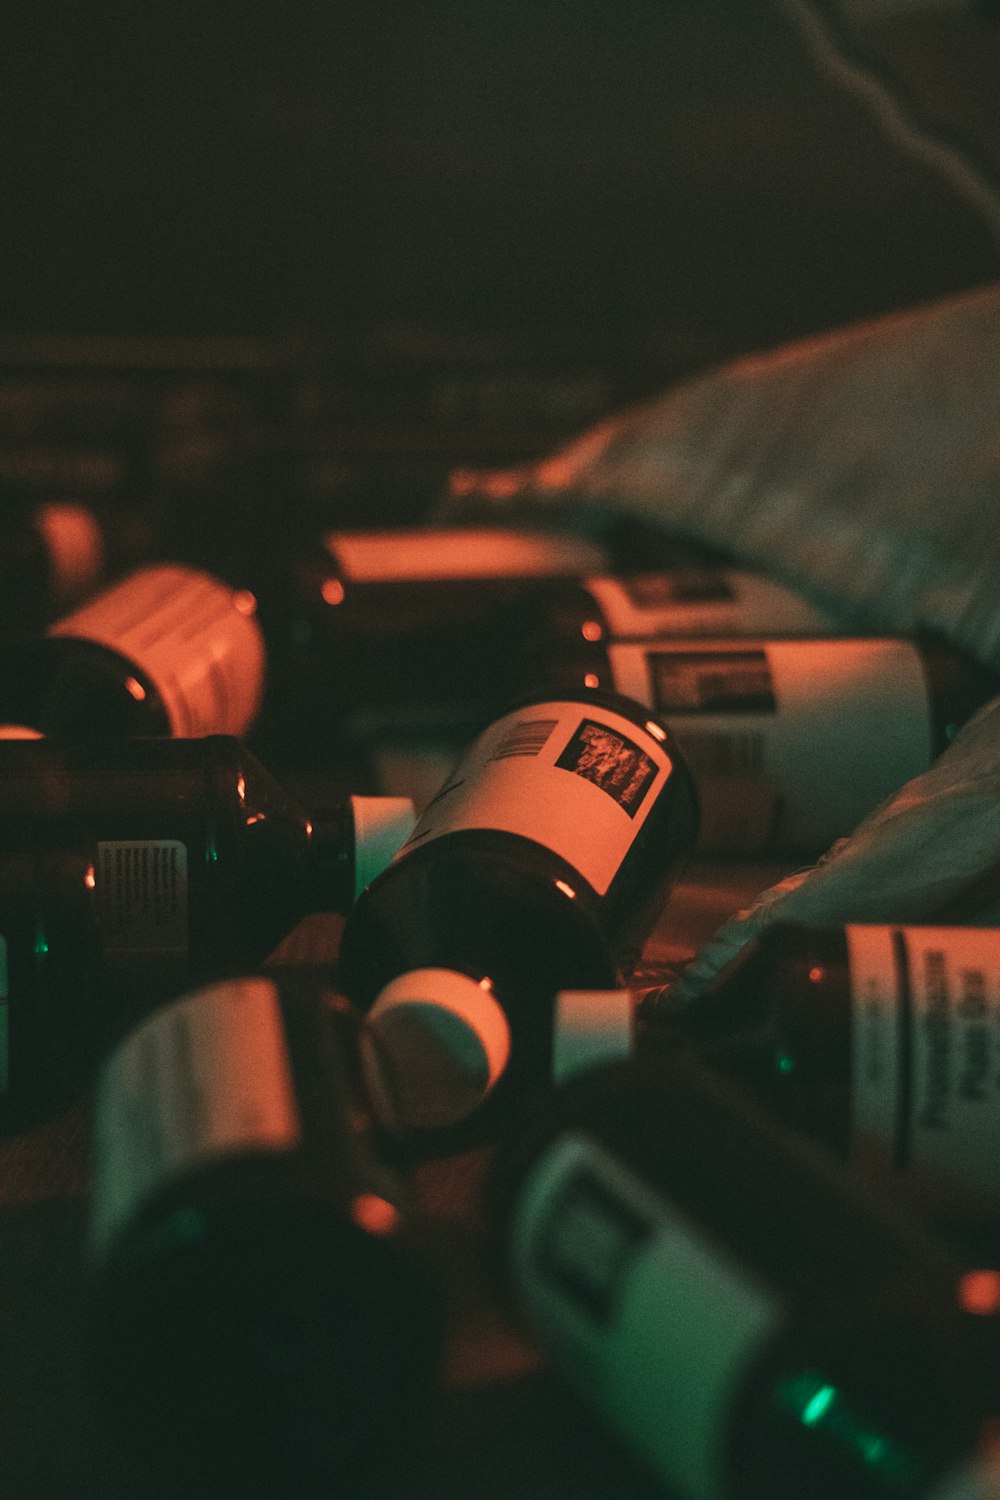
(863, 468)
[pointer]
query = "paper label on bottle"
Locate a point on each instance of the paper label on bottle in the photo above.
(196, 640)
(206, 1077)
(398, 556)
(4, 1019)
(792, 743)
(702, 602)
(574, 777)
(654, 1321)
(141, 891)
(925, 1048)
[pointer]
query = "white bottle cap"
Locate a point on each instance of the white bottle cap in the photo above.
(380, 826)
(440, 1041)
(75, 546)
(195, 638)
(590, 1027)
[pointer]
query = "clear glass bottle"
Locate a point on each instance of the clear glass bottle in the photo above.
(792, 742)
(542, 864)
(749, 1318)
(131, 869)
(263, 1320)
(166, 650)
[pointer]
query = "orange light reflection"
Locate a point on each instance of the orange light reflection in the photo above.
(373, 1214)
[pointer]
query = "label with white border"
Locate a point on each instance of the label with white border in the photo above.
(925, 1047)
(792, 743)
(576, 778)
(398, 556)
(702, 601)
(205, 1077)
(655, 1323)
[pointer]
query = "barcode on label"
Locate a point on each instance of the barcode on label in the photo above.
(724, 754)
(525, 738)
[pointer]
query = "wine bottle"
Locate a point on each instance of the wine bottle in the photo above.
(881, 1042)
(263, 1322)
(791, 742)
(542, 864)
(752, 1320)
(167, 650)
(131, 869)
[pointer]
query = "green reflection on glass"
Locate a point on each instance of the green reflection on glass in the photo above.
(784, 1062)
(184, 1226)
(818, 1403)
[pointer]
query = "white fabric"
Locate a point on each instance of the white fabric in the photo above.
(863, 468)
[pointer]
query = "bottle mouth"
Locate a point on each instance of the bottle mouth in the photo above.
(436, 1045)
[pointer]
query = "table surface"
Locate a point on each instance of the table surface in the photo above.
(505, 1426)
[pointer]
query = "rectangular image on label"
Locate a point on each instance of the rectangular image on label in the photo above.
(616, 764)
(701, 682)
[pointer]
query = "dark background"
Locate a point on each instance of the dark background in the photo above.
(671, 172)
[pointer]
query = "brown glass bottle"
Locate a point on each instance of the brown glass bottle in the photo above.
(878, 1041)
(263, 1322)
(752, 1320)
(792, 742)
(546, 857)
(414, 628)
(133, 868)
(166, 650)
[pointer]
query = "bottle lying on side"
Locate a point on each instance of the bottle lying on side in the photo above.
(263, 1320)
(131, 869)
(880, 1042)
(167, 650)
(542, 863)
(753, 1321)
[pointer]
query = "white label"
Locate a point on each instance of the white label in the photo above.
(792, 743)
(925, 1049)
(4, 1019)
(460, 552)
(654, 1322)
(191, 636)
(700, 602)
(205, 1077)
(141, 891)
(574, 777)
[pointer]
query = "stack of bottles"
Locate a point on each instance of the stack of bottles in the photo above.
(675, 1223)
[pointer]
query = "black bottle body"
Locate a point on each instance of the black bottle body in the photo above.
(879, 1041)
(718, 1288)
(549, 853)
(131, 869)
(262, 1322)
(417, 629)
